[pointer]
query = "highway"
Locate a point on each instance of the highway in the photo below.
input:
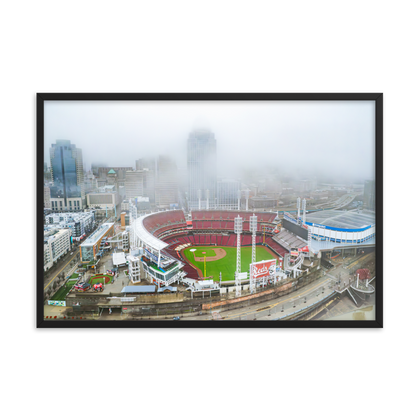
(299, 299)
(278, 307)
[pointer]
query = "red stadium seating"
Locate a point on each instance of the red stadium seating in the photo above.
(275, 246)
(247, 240)
(232, 240)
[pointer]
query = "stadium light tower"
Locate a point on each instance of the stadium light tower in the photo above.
(238, 230)
(247, 191)
(298, 208)
(253, 222)
(199, 199)
(304, 210)
(133, 217)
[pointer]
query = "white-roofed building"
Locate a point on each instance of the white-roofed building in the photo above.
(118, 258)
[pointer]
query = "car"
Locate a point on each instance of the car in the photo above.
(176, 318)
(82, 287)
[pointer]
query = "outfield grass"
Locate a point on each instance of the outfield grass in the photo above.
(227, 264)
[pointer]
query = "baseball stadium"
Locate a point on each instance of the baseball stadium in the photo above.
(221, 248)
(204, 246)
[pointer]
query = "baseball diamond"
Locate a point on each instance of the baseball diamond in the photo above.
(225, 264)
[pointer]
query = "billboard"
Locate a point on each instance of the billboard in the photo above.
(262, 268)
(152, 256)
(294, 252)
(57, 302)
(296, 229)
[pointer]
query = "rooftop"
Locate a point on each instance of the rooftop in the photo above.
(342, 219)
(92, 239)
(139, 289)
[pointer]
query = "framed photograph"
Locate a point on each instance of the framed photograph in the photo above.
(209, 210)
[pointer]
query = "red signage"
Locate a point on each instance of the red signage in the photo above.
(263, 268)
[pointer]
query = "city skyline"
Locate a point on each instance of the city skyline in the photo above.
(298, 138)
(253, 200)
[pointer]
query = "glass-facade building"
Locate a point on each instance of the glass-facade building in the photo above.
(67, 193)
(202, 169)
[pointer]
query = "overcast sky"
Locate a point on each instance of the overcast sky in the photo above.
(328, 137)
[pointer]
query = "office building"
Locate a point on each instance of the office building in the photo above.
(134, 184)
(202, 169)
(166, 183)
(47, 197)
(112, 175)
(369, 195)
(91, 247)
(68, 191)
(148, 166)
(95, 168)
(104, 200)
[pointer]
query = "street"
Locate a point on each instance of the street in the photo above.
(67, 262)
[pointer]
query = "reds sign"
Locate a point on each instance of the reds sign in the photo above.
(263, 268)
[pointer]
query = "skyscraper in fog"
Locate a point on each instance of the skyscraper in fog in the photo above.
(68, 192)
(166, 186)
(369, 195)
(202, 168)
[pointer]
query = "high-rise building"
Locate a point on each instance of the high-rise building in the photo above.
(166, 184)
(134, 184)
(47, 197)
(68, 192)
(95, 167)
(148, 166)
(112, 175)
(369, 195)
(202, 169)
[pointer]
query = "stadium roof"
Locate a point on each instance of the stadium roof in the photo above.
(92, 239)
(342, 219)
(317, 246)
(146, 236)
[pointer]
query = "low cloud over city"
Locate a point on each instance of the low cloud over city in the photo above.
(298, 138)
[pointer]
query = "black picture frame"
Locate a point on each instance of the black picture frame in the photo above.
(41, 98)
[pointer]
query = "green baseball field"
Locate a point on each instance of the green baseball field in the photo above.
(225, 259)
